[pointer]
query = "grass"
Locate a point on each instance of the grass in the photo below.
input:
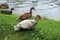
(44, 30)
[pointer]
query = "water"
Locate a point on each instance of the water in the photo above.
(44, 8)
(3, 1)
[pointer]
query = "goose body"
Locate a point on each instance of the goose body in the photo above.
(25, 24)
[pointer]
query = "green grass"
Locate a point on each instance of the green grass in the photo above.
(44, 30)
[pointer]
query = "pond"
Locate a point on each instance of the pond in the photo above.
(44, 8)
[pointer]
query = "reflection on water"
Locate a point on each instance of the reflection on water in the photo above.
(47, 9)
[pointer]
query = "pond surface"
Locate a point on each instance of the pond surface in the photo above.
(43, 8)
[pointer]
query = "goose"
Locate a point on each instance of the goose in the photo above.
(40, 17)
(7, 11)
(4, 5)
(25, 24)
(26, 15)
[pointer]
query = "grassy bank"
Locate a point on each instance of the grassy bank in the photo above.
(44, 30)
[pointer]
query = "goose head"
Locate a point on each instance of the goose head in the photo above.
(37, 17)
(12, 8)
(32, 8)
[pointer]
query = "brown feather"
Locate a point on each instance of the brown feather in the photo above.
(26, 15)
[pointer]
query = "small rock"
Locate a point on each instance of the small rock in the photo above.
(6, 38)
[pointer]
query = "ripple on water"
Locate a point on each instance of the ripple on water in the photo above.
(49, 10)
